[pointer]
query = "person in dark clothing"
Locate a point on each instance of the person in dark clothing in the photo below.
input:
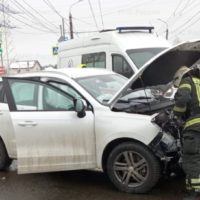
(187, 108)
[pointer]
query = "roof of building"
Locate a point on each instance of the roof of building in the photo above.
(24, 64)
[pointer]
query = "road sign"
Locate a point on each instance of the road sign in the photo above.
(55, 50)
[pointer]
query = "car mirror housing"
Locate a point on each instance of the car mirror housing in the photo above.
(80, 107)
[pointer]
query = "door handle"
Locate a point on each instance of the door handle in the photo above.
(27, 124)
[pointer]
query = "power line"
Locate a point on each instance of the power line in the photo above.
(189, 26)
(187, 8)
(32, 33)
(50, 5)
(174, 12)
(76, 32)
(83, 21)
(29, 25)
(28, 13)
(190, 7)
(40, 14)
(177, 7)
(7, 9)
(99, 3)
(91, 9)
(185, 23)
(186, 5)
(129, 6)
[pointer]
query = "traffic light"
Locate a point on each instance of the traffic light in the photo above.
(1, 51)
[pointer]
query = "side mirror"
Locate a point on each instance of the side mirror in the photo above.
(80, 107)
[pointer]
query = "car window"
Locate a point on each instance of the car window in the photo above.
(120, 66)
(52, 100)
(25, 95)
(31, 95)
(66, 88)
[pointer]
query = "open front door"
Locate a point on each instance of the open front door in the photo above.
(49, 135)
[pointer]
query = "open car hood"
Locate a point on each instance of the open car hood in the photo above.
(161, 68)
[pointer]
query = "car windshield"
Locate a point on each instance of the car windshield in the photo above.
(141, 56)
(103, 87)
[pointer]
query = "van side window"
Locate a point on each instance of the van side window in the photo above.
(121, 66)
(94, 60)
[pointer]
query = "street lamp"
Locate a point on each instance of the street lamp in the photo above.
(167, 29)
(70, 19)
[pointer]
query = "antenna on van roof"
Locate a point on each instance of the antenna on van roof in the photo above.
(129, 28)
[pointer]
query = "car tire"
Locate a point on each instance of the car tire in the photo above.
(133, 168)
(5, 161)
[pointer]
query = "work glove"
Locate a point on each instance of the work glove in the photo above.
(177, 120)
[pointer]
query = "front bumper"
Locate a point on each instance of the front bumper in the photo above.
(164, 145)
(166, 149)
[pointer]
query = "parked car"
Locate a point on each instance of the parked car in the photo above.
(66, 120)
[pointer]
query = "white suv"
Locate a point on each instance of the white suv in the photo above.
(53, 121)
(72, 119)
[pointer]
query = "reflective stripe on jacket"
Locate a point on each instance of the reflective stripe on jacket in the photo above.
(187, 100)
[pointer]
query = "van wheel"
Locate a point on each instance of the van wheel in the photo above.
(5, 161)
(132, 168)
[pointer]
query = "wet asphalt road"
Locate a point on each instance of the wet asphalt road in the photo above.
(78, 185)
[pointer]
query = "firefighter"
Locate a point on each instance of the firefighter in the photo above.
(187, 108)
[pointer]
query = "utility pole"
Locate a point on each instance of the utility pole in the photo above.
(6, 40)
(63, 28)
(70, 19)
(61, 31)
(167, 33)
(5, 33)
(71, 26)
(167, 29)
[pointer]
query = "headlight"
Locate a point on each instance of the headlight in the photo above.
(170, 93)
(168, 142)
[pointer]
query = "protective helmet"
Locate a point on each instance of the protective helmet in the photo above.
(82, 65)
(179, 74)
(195, 70)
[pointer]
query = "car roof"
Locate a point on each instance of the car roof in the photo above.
(82, 72)
(70, 72)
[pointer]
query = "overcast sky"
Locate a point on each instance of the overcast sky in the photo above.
(37, 22)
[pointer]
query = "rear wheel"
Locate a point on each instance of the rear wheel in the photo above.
(132, 168)
(5, 161)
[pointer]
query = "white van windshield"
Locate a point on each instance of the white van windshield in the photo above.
(141, 56)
